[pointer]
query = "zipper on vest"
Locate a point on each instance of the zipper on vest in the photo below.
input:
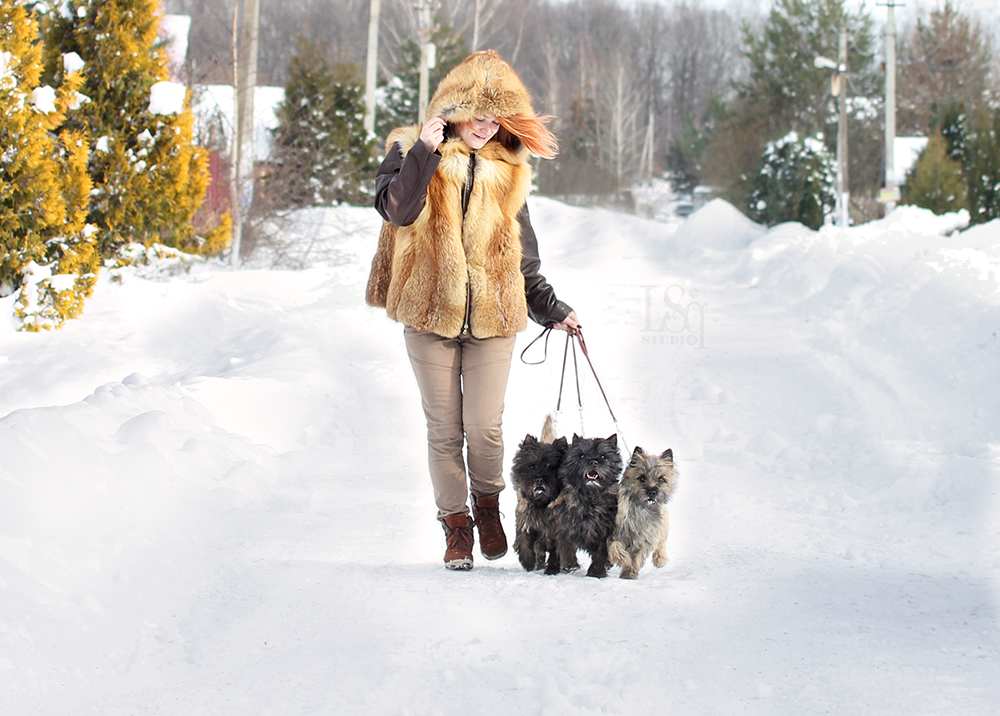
(468, 308)
(466, 195)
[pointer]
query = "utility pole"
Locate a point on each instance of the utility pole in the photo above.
(843, 193)
(890, 194)
(428, 55)
(371, 74)
(243, 159)
(839, 90)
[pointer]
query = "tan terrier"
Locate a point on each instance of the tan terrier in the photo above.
(642, 523)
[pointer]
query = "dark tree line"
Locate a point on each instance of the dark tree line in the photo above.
(626, 82)
(682, 90)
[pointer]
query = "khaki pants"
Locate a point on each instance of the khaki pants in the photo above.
(462, 384)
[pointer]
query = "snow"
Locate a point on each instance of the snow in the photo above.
(72, 62)
(213, 497)
(167, 98)
(8, 70)
(43, 99)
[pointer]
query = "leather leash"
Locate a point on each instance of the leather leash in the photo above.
(576, 334)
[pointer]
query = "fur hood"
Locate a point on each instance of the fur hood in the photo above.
(481, 84)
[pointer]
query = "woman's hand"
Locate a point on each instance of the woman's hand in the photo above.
(432, 133)
(568, 324)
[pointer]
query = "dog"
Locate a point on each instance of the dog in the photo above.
(535, 474)
(641, 524)
(584, 512)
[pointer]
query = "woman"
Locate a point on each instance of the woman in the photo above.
(457, 264)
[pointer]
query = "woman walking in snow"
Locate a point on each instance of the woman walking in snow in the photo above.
(457, 264)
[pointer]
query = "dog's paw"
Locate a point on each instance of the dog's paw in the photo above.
(660, 556)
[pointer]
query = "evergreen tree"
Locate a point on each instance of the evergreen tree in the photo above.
(951, 121)
(795, 183)
(794, 93)
(47, 256)
(149, 178)
(398, 105)
(936, 180)
(975, 146)
(686, 154)
(320, 155)
(784, 92)
(982, 167)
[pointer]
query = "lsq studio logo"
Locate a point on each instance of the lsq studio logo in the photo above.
(673, 317)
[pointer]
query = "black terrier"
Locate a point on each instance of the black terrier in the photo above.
(535, 475)
(584, 513)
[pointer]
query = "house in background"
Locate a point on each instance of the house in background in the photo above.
(905, 152)
(214, 111)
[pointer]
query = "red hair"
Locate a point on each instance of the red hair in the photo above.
(532, 133)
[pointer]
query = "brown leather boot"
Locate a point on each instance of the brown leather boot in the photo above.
(492, 540)
(458, 535)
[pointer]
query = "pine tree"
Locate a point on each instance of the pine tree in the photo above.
(936, 180)
(320, 155)
(795, 183)
(47, 256)
(785, 92)
(783, 79)
(149, 177)
(399, 103)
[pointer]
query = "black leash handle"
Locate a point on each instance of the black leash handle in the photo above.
(546, 332)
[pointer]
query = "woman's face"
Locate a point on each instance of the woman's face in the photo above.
(479, 131)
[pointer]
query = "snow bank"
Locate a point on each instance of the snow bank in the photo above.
(213, 492)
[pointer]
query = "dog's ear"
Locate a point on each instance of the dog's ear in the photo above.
(637, 452)
(613, 439)
(668, 454)
(529, 439)
(576, 439)
(560, 443)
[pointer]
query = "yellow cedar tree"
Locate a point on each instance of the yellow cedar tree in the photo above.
(149, 177)
(46, 257)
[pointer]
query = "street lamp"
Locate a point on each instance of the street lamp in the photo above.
(839, 90)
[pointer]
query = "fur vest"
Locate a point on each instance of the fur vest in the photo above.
(446, 272)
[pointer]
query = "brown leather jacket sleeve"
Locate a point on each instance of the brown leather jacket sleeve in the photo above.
(400, 193)
(543, 306)
(401, 184)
